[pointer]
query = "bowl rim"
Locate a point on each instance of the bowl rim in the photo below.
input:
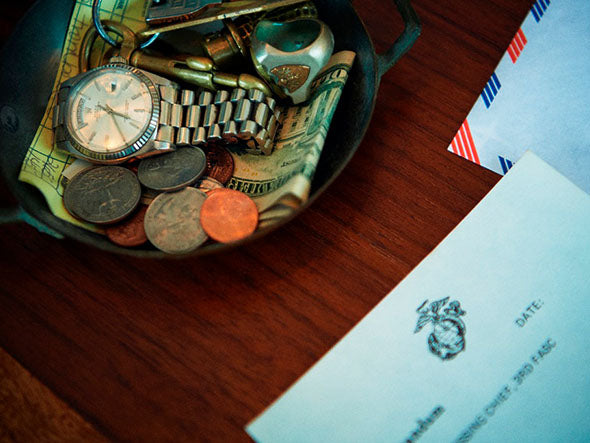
(22, 190)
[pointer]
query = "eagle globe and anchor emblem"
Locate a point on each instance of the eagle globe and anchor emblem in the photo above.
(448, 330)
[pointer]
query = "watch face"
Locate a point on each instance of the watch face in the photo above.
(110, 111)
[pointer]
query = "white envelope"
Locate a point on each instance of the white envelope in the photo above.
(537, 97)
(503, 353)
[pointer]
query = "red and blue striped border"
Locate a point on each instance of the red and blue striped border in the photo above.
(517, 45)
(463, 144)
(505, 164)
(538, 9)
(490, 90)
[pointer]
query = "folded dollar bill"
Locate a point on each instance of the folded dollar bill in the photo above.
(285, 176)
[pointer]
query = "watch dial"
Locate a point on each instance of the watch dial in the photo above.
(110, 110)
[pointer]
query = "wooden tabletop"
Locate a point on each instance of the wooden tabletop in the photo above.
(194, 349)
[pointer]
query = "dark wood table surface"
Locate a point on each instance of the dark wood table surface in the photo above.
(193, 349)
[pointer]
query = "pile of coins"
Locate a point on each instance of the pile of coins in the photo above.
(176, 201)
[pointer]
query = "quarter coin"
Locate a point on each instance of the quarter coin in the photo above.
(220, 164)
(173, 170)
(228, 215)
(172, 222)
(102, 195)
(129, 232)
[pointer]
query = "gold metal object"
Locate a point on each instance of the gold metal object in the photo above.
(303, 10)
(177, 69)
(199, 63)
(227, 46)
(276, 89)
(219, 11)
(196, 71)
(291, 77)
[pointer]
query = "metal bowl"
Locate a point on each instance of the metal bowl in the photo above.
(28, 80)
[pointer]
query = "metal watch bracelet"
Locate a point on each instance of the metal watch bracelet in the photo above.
(230, 117)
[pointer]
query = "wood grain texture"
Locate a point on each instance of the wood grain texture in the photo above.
(30, 412)
(194, 349)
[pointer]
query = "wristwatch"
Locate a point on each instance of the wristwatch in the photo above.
(116, 112)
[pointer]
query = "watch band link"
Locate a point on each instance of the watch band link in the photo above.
(223, 117)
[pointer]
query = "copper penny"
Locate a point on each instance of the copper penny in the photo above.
(220, 164)
(228, 215)
(130, 232)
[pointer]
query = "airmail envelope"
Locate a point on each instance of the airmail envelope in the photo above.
(538, 97)
(486, 340)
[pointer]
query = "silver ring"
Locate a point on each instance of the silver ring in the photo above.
(292, 53)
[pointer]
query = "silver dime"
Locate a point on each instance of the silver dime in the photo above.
(207, 184)
(174, 170)
(172, 222)
(102, 195)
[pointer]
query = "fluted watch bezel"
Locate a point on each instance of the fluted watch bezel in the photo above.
(131, 148)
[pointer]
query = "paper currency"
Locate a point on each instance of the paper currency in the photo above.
(285, 176)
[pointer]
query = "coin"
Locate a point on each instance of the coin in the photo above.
(173, 170)
(172, 221)
(129, 232)
(208, 184)
(228, 215)
(220, 163)
(102, 195)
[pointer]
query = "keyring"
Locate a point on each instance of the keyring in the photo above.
(90, 38)
(102, 32)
